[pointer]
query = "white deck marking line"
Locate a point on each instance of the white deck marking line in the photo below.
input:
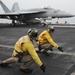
(7, 46)
(73, 73)
(64, 26)
(55, 52)
(63, 53)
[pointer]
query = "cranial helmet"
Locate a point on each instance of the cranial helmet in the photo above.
(50, 28)
(32, 32)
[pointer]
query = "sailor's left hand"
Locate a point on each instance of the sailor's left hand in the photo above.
(60, 49)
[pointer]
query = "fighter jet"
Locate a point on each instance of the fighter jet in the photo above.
(26, 15)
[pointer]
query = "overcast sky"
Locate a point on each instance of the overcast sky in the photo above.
(64, 5)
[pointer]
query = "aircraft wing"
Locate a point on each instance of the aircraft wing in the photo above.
(21, 13)
(32, 11)
(9, 14)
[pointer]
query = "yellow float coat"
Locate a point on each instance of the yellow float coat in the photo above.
(24, 44)
(45, 37)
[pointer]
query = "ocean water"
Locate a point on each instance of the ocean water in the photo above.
(62, 20)
(5, 21)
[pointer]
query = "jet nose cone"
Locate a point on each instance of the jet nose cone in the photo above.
(69, 15)
(65, 15)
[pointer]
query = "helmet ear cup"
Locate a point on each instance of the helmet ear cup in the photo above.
(29, 32)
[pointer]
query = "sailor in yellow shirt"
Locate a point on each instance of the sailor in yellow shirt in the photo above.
(46, 42)
(25, 52)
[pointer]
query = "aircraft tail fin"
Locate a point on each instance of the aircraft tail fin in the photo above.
(5, 8)
(15, 7)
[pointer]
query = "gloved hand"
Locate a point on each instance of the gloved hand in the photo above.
(42, 67)
(60, 49)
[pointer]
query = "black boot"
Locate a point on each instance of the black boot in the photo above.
(26, 70)
(45, 53)
(39, 49)
(51, 49)
(3, 64)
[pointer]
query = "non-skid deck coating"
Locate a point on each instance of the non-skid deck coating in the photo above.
(57, 63)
